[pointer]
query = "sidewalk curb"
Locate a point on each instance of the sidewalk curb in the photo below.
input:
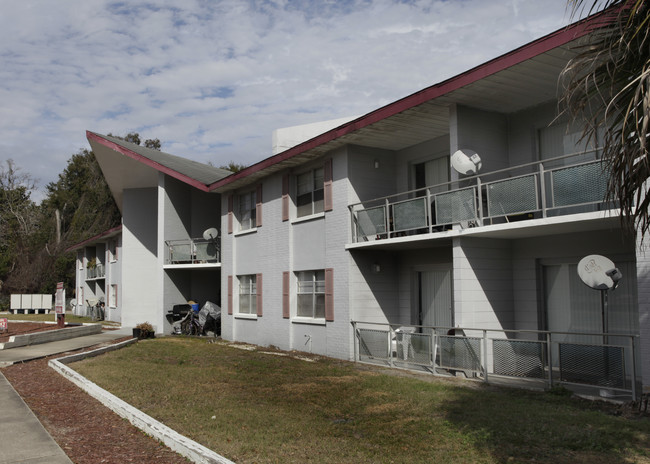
(182, 445)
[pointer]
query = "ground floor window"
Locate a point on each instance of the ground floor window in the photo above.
(311, 294)
(112, 296)
(248, 294)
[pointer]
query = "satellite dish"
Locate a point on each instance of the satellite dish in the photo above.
(211, 234)
(599, 272)
(466, 162)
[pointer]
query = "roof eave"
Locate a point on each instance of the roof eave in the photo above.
(92, 136)
(518, 55)
(104, 235)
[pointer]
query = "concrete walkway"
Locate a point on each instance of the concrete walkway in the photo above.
(23, 439)
(27, 353)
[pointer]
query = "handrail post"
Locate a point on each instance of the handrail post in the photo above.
(386, 218)
(480, 201)
(391, 360)
(633, 369)
(549, 359)
(427, 211)
(353, 223)
(485, 356)
(356, 341)
(542, 188)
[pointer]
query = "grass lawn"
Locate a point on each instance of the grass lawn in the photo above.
(257, 407)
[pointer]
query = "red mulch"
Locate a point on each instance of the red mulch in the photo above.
(87, 431)
(20, 328)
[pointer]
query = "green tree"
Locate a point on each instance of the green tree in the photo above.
(608, 85)
(233, 166)
(19, 218)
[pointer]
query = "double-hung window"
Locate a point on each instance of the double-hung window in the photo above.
(247, 210)
(311, 294)
(112, 296)
(247, 294)
(310, 193)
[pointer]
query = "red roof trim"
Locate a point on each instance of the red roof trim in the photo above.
(108, 233)
(516, 56)
(144, 160)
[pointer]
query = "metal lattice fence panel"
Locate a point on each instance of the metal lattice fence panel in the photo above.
(462, 353)
(414, 348)
(519, 358)
(456, 206)
(371, 221)
(409, 215)
(592, 364)
(576, 185)
(373, 343)
(512, 196)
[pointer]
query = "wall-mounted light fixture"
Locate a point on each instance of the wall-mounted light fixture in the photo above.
(375, 268)
(376, 164)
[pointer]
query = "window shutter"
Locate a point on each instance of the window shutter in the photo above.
(258, 207)
(259, 294)
(285, 197)
(229, 294)
(329, 294)
(230, 201)
(327, 185)
(286, 298)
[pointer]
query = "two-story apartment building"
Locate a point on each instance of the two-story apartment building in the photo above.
(166, 207)
(98, 276)
(333, 244)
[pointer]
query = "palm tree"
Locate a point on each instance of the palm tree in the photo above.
(608, 85)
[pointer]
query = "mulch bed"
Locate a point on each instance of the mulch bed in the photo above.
(87, 431)
(20, 328)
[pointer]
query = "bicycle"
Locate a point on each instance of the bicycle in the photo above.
(190, 324)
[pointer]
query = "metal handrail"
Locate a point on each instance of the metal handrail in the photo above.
(533, 200)
(195, 251)
(547, 359)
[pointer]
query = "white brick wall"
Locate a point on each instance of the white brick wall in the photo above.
(643, 284)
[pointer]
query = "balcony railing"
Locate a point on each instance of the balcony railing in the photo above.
(582, 360)
(96, 272)
(553, 187)
(192, 251)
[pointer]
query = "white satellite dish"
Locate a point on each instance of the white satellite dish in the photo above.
(599, 272)
(211, 234)
(466, 162)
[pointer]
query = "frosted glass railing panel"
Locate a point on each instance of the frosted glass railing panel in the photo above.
(512, 196)
(577, 185)
(456, 206)
(410, 214)
(371, 222)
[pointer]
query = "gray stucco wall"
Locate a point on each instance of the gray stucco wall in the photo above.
(140, 269)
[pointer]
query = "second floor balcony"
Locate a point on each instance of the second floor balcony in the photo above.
(192, 251)
(95, 271)
(555, 187)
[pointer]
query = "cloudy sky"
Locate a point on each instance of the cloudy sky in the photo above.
(213, 78)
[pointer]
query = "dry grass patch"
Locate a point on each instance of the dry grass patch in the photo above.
(258, 408)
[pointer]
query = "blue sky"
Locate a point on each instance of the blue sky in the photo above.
(212, 79)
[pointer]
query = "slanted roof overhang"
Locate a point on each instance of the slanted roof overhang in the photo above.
(523, 78)
(110, 233)
(126, 165)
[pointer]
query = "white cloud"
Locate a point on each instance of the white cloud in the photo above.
(213, 79)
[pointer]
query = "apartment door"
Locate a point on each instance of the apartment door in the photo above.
(430, 173)
(435, 298)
